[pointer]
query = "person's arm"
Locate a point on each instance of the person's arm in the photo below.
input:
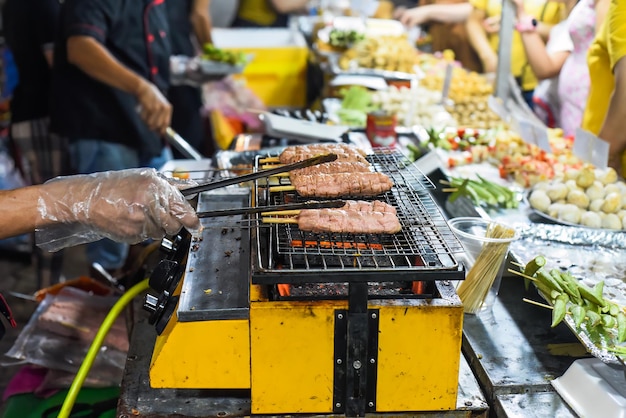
(444, 13)
(601, 7)
(612, 129)
(141, 202)
(201, 21)
(543, 64)
(289, 6)
(478, 40)
(543, 29)
(96, 61)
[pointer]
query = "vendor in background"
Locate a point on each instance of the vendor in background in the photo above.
(605, 112)
(110, 77)
(483, 26)
(445, 22)
(30, 27)
(190, 29)
(71, 210)
(267, 13)
(562, 63)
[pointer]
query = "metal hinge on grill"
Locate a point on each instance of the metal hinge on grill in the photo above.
(356, 360)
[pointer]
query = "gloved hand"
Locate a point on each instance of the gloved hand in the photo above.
(126, 205)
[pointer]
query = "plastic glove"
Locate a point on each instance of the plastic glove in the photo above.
(126, 206)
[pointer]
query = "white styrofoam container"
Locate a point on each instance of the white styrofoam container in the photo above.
(593, 389)
(257, 38)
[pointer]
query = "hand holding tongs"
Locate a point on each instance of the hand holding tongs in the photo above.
(319, 159)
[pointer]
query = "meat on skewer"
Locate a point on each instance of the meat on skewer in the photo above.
(355, 217)
(365, 206)
(331, 168)
(344, 152)
(342, 184)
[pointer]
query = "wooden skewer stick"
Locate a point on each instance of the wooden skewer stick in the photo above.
(268, 166)
(517, 264)
(274, 189)
(282, 213)
(532, 302)
(280, 220)
(543, 305)
(269, 160)
(449, 189)
(519, 273)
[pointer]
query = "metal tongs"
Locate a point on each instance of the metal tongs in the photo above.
(319, 159)
(314, 204)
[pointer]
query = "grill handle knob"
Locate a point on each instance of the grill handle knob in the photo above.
(168, 246)
(164, 275)
(150, 303)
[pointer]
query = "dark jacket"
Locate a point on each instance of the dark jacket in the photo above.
(135, 32)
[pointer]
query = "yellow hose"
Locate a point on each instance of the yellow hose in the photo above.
(90, 357)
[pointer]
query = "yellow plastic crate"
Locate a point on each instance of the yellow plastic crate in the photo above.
(277, 72)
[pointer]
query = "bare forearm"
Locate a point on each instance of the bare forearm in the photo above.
(448, 13)
(543, 64)
(543, 29)
(612, 129)
(289, 6)
(201, 21)
(478, 37)
(601, 7)
(94, 59)
(20, 211)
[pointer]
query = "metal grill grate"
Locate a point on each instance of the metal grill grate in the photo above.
(424, 245)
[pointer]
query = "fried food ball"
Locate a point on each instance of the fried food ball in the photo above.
(591, 219)
(595, 191)
(539, 200)
(612, 221)
(612, 203)
(585, 178)
(557, 191)
(596, 205)
(606, 176)
(569, 213)
(578, 198)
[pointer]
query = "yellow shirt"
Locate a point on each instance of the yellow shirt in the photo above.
(257, 11)
(605, 51)
(544, 11)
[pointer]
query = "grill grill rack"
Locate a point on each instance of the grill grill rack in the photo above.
(423, 250)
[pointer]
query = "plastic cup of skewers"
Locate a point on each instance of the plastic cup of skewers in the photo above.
(486, 244)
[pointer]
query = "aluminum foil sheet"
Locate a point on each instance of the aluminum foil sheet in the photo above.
(591, 255)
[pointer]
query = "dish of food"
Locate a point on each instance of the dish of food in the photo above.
(587, 197)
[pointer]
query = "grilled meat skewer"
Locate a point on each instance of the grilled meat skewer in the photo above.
(342, 184)
(344, 152)
(332, 168)
(356, 217)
